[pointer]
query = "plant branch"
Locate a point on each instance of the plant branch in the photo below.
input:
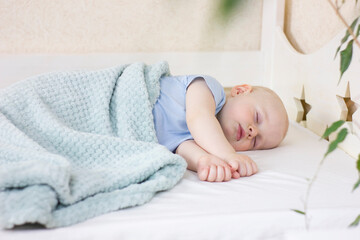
(336, 9)
(307, 224)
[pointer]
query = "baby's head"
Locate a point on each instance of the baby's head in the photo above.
(253, 117)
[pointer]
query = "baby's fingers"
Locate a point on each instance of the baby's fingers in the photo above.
(223, 173)
(203, 173)
(235, 175)
(248, 168)
(255, 168)
(243, 169)
(228, 173)
(234, 165)
(212, 173)
(251, 168)
(220, 174)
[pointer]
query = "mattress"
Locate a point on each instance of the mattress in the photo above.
(256, 207)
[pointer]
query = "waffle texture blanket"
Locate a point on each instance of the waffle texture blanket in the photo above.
(74, 145)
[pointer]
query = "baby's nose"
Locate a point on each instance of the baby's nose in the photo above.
(252, 131)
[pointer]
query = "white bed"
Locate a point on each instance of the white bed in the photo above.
(258, 207)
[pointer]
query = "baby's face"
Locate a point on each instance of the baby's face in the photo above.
(253, 119)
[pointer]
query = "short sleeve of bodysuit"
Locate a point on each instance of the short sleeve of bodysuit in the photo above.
(170, 108)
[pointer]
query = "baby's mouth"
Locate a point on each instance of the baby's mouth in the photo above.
(240, 133)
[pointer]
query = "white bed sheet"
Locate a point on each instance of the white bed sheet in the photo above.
(256, 207)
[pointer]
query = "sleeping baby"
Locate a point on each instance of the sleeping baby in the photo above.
(195, 119)
(70, 141)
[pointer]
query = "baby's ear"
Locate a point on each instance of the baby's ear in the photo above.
(245, 88)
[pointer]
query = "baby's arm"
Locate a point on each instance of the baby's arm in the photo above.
(208, 167)
(207, 132)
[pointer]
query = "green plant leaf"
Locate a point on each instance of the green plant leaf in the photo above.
(227, 7)
(347, 34)
(334, 126)
(356, 185)
(345, 58)
(298, 211)
(355, 222)
(339, 138)
(353, 24)
(343, 40)
(337, 50)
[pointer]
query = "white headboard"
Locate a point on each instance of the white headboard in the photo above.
(309, 86)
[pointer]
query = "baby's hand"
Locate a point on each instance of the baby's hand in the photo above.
(213, 169)
(241, 165)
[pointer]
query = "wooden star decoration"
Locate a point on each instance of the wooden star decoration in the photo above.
(303, 108)
(348, 105)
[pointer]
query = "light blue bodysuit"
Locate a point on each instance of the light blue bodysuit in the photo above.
(169, 110)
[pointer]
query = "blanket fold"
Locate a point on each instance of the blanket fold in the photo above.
(74, 145)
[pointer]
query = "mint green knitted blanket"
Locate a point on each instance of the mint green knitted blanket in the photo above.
(74, 145)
